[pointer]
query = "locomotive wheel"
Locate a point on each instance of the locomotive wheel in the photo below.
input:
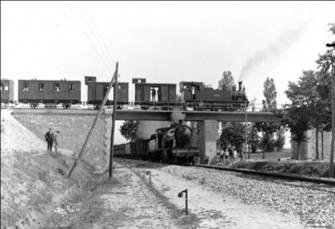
(164, 157)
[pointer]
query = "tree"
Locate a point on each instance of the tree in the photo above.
(233, 134)
(298, 122)
(280, 138)
(270, 95)
(227, 81)
(324, 103)
(327, 62)
(128, 130)
(269, 105)
(301, 114)
(312, 92)
(253, 139)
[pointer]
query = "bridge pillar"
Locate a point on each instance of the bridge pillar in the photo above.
(208, 140)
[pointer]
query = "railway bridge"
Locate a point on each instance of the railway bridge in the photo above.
(207, 119)
(159, 115)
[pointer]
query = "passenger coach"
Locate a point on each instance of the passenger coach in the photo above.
(7, 91)
(49, 92)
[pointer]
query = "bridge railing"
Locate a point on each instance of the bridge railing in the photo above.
(131, 106)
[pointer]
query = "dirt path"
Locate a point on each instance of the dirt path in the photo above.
(217, 210)
(126, 202)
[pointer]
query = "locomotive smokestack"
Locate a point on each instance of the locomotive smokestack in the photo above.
(239, 85)
(177, 116)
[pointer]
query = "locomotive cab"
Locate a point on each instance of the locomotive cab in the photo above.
(189, 90)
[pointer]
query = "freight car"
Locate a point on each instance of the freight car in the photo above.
(96, 92)
(154, 94)
(169, 145)
(198, 96)
(7, 91)
(65, 92)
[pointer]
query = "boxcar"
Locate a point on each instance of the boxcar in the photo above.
(49, 91)
(133, 150)
(155, 94)
(7, 91)
(97, 90)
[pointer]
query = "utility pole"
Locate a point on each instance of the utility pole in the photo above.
(331, 167)
(95, 121)
(331, 162)
(246, 131)
(113, 127)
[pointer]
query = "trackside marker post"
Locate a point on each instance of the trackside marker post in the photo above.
(180, 195)
(148, 173)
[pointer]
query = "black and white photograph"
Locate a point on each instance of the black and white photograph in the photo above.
(167, 114)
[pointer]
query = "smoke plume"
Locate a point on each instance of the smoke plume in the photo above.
(274, 49)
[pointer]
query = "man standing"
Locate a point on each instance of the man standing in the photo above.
(55, 136)
(48, 138)
(153, 94)
(221, 154)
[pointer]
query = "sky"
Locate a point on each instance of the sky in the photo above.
(165, 42)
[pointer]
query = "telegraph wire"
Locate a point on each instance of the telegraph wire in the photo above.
(98, 39)
(96, 49)
(103, 43)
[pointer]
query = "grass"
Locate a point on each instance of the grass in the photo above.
(280, 162)
(312, 169)
(73, 132)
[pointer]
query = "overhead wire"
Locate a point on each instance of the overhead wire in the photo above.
(99, 36)
(94, 46)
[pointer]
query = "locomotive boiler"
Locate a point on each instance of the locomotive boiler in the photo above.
(201, 97)
(173, 145)
(168, 144)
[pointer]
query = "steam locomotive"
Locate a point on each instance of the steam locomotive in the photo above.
(194, 95)
(169, 144)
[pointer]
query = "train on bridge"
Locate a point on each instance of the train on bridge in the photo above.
(194, 95)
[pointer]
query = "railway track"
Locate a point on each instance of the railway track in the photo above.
(274, 175)
(281, 176)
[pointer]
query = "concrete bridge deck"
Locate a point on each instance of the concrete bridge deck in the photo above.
(155, 115)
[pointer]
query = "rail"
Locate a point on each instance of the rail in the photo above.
(274, 175)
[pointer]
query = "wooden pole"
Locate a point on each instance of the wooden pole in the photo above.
(331, 162)
(113, 129)
(246, 131)
(95, 120)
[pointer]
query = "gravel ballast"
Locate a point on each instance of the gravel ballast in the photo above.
(278, 195)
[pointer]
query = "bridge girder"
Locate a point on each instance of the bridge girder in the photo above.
(166, 115)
